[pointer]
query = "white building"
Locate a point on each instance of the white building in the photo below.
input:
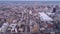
(45, 17)
(4, 27)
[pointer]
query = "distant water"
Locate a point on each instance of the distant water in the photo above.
(30, 2)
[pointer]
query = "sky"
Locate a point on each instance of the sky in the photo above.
(29, 0)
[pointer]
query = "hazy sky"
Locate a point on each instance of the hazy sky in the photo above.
(29, 0)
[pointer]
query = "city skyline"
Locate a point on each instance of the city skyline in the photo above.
(29, 0)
